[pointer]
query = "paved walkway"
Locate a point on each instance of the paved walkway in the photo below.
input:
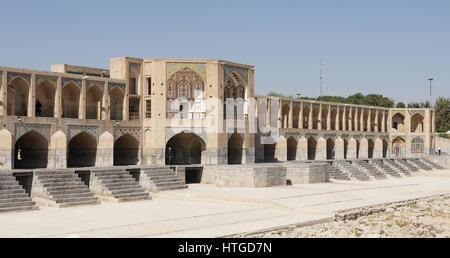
(208, 211)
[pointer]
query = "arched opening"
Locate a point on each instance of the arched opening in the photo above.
(291, 148)
(417, 123)
(285, 116)
(305, 116)
(269, 152)
(372, 121)
(70, 100)
(31, 151)
(385, 148)
(184, 149)
(380, 121)
(45, 99)
(341, 118)
(82, 151)
(398, 147)
(358, 144)
(94, 103)
(398, 122)
(312, 145)
(126, 151)
(417, 145)
(345, 148)
(296, 116)
(17, 97)
(316, 121)
(359, 126)
(324, 118)
(348, 120)
(116, 97)
(235, 144)
(365, 119)
(371, 146)
(333, 119)
(330, 149)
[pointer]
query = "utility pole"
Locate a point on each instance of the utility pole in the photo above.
(430, 79)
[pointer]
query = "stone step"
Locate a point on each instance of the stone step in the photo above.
(18, 208)
(9, 182)
(133, 198)
(76, 199)
(17, 190)
(126, 184)
(66, 196)
(79, 202)
(66, 187)
(17, 204)
(69, 191)
(127, 190)
(12, 195)
(10, 187)
(118, 180)
(127, 195)
(63, 184)
(14, 199)
(169, 183)
(172, 187)
(59, 180)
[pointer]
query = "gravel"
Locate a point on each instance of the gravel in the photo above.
(426, 218)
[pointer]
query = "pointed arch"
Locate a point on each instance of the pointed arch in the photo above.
(126, 150)
(185, 148)
(94, 96)
(82, 151)
(312, 146)
(45, 95)
(116, 101)
(417, 123)
(235, 145)
(31, 151)
(17, 97)
(70, 100)
(292, 148)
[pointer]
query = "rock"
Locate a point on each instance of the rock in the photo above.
(445, 234)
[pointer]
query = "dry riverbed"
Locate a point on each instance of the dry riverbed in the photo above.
(426, 218)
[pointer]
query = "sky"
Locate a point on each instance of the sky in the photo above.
(384, 47)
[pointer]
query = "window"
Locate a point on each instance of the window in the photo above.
(132, 85)
(134, 109)
(149, 86)
(395, 125)
(417, 145)
(148, 112)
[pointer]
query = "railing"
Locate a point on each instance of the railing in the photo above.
(134, 115)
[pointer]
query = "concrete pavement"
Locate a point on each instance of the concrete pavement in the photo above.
(209, 211)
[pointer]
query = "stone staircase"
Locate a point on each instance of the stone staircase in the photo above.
(386, 168)
(400, 169)
(160, 179)
(353, 170)
(432, 164)
(61, 188)
(336, 173)
(406, 163)
(370, 169)
(421, 165)
(116, 185)
(12, 195)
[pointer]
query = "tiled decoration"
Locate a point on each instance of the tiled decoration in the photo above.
(68, 80)
(74, 130)
(199, 68)
(134, 66)
(53, 80)
(199, 131)
(185, 83)
(111, 86)
(413, 112)
(243, 72)
(11, 76)
(119, 131)
(23, 128)
(99, 84)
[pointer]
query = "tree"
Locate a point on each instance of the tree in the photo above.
(400, 105)
(442, 114)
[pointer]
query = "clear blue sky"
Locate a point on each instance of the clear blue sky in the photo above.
(386, 47)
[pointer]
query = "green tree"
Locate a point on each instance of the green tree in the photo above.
(400, 105)
(442, 114)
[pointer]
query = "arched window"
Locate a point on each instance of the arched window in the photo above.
(183, 90)
(417, 145)
(198, 89)
(171, 89)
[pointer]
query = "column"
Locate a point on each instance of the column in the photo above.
(329, 118)
(82, 108)
(369, 129)
(3, 94)
(383, 122)
(58, 99)
(319, 126)
(337, 119)
(361, 120)
(291, 115)
(32, 96)
(268, 113)
(355, 119)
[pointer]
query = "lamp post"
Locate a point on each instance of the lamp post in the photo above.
(430, 79)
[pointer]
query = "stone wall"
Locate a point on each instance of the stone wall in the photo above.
(307, 173)
(443, 143)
